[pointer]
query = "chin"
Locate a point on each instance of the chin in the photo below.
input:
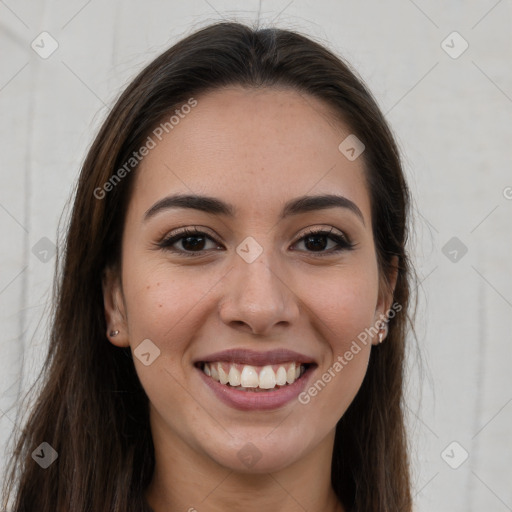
(260, 454)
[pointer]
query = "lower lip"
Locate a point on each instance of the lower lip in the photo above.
(257, 400)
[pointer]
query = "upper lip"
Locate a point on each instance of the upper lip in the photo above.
(252, 357)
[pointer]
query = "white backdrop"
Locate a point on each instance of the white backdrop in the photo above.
(448, 97)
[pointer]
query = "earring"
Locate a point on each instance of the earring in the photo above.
(114, 333)
(383, 331)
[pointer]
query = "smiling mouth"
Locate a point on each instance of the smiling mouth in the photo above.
(249, 378)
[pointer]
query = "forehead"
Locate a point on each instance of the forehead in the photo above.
(253, 148)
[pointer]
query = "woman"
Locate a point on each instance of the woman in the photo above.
(230, 317)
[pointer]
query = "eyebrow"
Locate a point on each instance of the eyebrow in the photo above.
(217, 207)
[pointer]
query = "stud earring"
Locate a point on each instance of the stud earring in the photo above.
(114, 333)
(383, 331)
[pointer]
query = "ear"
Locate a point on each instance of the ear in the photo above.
(114, 307)
(386, 289)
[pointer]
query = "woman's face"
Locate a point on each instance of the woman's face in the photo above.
(253, 281)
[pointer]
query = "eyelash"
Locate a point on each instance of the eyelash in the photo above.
(167, 243)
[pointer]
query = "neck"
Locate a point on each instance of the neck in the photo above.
(185, 479)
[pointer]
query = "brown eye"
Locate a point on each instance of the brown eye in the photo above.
(318, 241)
(192, 241)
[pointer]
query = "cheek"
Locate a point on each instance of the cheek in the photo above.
(162, 304)
(344, 304)
(343, 312)
(160, 299)
(344, 307)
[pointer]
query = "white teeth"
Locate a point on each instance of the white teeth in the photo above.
(224, 379)
(267, 378)
(234, 376)
(290, 374)
(281, 376)
(214, 372)
(249, 377)
(246, 376)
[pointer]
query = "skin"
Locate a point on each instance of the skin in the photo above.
(254, 149)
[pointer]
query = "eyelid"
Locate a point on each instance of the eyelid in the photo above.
(166, 242)
(195, 229)
(342, 240)
(324, 230)
(314, 229)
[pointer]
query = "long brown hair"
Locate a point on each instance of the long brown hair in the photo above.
(92, 408)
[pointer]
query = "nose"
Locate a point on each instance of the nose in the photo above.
(258, 299)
